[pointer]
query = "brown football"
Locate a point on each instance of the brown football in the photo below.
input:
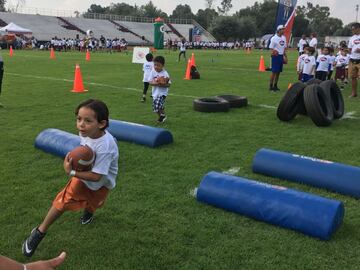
(162, 80)
(82, 158)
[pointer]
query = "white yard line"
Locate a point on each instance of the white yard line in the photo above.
(266, 106)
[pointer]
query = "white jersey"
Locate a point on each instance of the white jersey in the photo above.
(278, 43)
(313, 42)
(300, 62)
(323, 62)
(309, 65)
(301, 45)
(147, 68)
(158, 91)
(354, 44)
(106, 160)
(341, 60)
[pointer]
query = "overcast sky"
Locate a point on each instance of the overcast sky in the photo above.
(343, 9)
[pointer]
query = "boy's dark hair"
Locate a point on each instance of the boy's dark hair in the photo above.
(99, 107)
(160, 59)
(311, 50)
(355, 25)
(149, 57)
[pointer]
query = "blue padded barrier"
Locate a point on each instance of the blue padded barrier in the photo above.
(307, 213)
(56, 142)
(333, 176)
(140, 134)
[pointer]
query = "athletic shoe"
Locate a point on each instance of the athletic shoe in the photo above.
(31, 243)
(143, 99)
(275, 88)
(162, 118)
(86, 218)
(352, 96)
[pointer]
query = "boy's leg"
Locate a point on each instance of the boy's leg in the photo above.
(37, 234)
(146, 87)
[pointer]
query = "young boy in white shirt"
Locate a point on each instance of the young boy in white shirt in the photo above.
(300, 63)
(332, 60)
(160, 82)
(147, 68)
(309, 64)
(341, 62)
(322, 64)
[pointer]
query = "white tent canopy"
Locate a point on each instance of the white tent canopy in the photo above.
(15, 29)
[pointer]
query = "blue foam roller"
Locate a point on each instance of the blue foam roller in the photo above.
(56, 142)
(307, 213)
(320, 173)
(140, 134)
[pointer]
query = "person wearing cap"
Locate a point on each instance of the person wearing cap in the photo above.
(278, 54)
(354, 62)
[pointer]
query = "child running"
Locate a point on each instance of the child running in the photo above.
(160, 82)
(86, 189)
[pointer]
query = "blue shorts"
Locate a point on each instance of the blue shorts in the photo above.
(306, 77)
(277, 62)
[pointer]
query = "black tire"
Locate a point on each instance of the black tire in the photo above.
(313, 81)
(235, 101)
(318, 105)
(333, 92)
(211, 104)
(292, 103)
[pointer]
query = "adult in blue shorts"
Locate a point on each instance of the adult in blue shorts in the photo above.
(278, 56)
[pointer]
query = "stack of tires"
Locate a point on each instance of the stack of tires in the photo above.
(220, 103)
(321, 101)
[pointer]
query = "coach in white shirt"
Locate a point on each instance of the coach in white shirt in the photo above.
(278, 54)
(354, 62)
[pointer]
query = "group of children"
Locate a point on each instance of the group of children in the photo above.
(322, 67)
(156, 76)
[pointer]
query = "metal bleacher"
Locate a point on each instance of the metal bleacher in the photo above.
(46, 27)
(43, 27)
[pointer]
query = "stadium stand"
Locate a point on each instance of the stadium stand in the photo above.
(135, 33)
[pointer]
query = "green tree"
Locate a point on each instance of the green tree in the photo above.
(225, 28)
(2, 5)
(209, 3)
(247, 28)
(97, 9)
(225, 7)
(151, 11)
(124, 9)
(182, 12)
(206, 17)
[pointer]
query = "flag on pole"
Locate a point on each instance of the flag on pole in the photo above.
(286, 16)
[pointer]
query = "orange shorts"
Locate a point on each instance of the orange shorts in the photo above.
(76, 195)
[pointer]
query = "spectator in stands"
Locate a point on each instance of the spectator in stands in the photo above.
(354, 62)
(8, 264)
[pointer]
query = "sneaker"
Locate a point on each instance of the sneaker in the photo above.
(275, 88)
(352, 96)
(162, 118)
(86, 218)
(341, 87)
(31, 243)
(143, 99)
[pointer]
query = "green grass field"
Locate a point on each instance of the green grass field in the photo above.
(150, 221)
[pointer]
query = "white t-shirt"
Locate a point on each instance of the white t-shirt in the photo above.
(301, 45)
(106, 160)
(147, 68)
(278, 43)
(324, 62)
(158, 91)
(354, 44)
(313, 42)
(342, 60)
(182, 47)
(300, 62)
(309, 65)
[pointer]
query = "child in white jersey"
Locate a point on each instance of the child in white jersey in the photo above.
(300, 63)
(309, 64)
(340, 63)
(323, 64)
(86, 190)
(147, 68)
(160, 82)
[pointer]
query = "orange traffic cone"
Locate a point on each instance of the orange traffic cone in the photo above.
(52, 53)
(87, 57)
(11, 53)
(262, 64)
(192, 60)
(78, 82)
(187, 74)
(289, 86)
